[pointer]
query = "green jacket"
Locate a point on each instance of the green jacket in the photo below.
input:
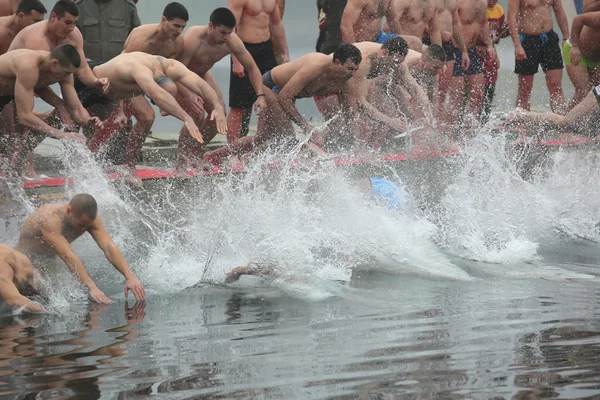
(105, 25)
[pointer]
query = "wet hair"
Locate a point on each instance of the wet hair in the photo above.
(347, 52)
(65, 6)
(67, 55)
(223, 16)
(436, 52)
(395, 46)
(176, 10)
(27, 6)
(84, 204)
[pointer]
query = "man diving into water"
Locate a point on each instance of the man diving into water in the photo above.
(50, 230)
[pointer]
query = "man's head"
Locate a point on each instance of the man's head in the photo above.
(221, 24)
(175, 17)
(393, 51)
(62, 19)
(433, 58)
(346, 59)
(65, 60)
(492, 3)
(30, 11)
(82, 211)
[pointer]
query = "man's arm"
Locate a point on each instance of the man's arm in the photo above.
(287, 96)
(513, 27)
(73, 104)
(11, 295)
(84, 72)
(245, 58)
(392, 17)
(561, 18)
(591, 6)
(591, 19)
(27, 77)
(177, 72)
(406, 80)
(278, 32)
(349, 19)
(112, 253)
(51, 233)
(435, 28)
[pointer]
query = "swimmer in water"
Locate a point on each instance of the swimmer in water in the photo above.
(16, 281)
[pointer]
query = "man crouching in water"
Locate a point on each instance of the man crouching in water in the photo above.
(50, 230)
(16, 280)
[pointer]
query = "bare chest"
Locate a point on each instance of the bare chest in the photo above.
(377, 9)
(159, 48)
(531, 5)
(255, 8)
(472, 11)
(206, 56)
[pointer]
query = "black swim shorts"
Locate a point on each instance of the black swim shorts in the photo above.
(241, 92)
(541, 50)
(87, 95)
(475, 66)
(596, 91)
(447, 46)
(5, 100)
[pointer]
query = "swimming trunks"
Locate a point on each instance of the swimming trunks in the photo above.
(384, 36)
(583, 61)
(268, 82)
(241, 92)
(390, 195)
(87, 95)
(5, 100)
(447, 46)
(475, 66)
(541, 50)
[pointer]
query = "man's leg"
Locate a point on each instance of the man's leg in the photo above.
(189, 150)
(524, 92)
(488, 99)
(581, 81)
(144, 115)
(554, 84)
(102, 135)
(475, 88)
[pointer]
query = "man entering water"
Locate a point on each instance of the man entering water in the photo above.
(50, 230)
(16, 280)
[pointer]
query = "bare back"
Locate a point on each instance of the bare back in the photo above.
(415, 15)
(12, 61)
(370, 20)
(6, 34)
(201, 53)
(35, 37)
(31, 237)
(473, 17)
(255, 19)
(120, 72)
(535, 16)
(145, 38)
(317, 66)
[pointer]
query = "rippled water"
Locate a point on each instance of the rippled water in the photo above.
(488, 290)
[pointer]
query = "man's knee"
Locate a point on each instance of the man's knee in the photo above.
(145, 117)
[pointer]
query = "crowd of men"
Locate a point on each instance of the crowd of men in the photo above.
(381, 66)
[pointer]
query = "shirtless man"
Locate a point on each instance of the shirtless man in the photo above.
(163, 39)
(314, 74)
(451, 30)
(257, 19)
(29, 12)
(16, 280)
(425, 67)
(46, 35)
(363, 19)
(591, 5)
(581, 54)
(24, 73)
(136, 74)
(205, 46)
(8, 7)
(530, 24)
(50, 229)
(469, 84)
(419, 18)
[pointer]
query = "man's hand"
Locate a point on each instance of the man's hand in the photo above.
(218, 116)
(575, 55)
(286, 58)
(136, 288)
(103, 84)
(34, 307)
(95, 121)
(190, 125)
(120, 120)
(260, 104)
(238, 69)
(99, 297)
(196, 104)
(466, 62)
(65, 117)
(446, 36)
(520, 53)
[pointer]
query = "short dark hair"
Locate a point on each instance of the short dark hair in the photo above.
(347, 52)
(65, 6)
(27, 6)
(395, 46)
(435, 52)
(175, 10)
(223, 16)
(84, 204)
(67, 55)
